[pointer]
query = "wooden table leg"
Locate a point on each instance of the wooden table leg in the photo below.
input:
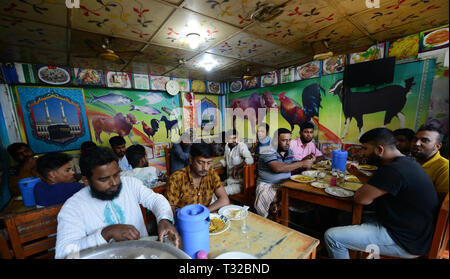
(284, 206)
(357, 214)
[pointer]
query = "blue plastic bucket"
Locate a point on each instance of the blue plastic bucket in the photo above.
(192, 222)
(339, 159)
(26, 186)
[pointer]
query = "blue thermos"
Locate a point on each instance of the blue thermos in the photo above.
(26, 186)
(339, 159)
(192, 223)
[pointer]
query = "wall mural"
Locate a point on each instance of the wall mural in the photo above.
(319, 100)
(148, 118)
(54, 119)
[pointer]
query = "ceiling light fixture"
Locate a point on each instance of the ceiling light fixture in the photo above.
(193, 40)
(209, 63)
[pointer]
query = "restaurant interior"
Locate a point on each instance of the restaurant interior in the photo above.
(76, 71)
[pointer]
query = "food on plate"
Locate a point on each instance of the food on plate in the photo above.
(319, 167)
(54, 75)
(236, 86)
(308, 70)
(351, 186)
(339, 192)
(235, 213)
(198, 86)
(372, 53)
(437, 37)
(334, 64)
(216, 225)
(88, 76)
(351, 178)
(405, 47)
(251, 83)
(214, 87)
(302, 178)
(159, 83)
(367, 167)
(320, 185)
(268, 79)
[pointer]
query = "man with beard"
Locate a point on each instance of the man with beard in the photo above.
(118, 146)
(137, 157)
(235, 158)
(26, 167)
(108, 209)
(197, 182)
(275, 167)
(425, 149)
(303, 147)
(405, 203)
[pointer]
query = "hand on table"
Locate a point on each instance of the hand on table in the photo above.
(166, 228)
(353, 169)
(120, 232)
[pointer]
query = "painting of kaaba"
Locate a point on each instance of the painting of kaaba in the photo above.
(54, 119)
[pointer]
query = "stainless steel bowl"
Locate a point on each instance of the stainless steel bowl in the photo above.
(133, 249)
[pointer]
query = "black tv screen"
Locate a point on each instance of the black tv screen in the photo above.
(373, 72)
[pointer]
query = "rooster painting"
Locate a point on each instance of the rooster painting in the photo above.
(150, 131)
(296, 114)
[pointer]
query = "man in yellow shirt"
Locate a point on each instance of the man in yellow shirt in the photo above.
(425, 148)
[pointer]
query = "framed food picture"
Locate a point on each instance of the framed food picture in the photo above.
(236, 86)
(118, 79)
(184, 84)
(53, 75)
(287, 75)
(198, 86)
(251, 83)
(88, 77)
(158, 82)
(333, 65)
(269, 79)
(214, 87)
(141, 81)
(404, 47)
(434, 39)
(372, 53)
(308, 70)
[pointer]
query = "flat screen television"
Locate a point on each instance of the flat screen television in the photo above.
(373, 72)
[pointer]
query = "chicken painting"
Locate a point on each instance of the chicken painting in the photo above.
(150, 131)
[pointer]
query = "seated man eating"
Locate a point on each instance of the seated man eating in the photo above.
(108, 209)
(196, 183)
(137, 157)
(58, 179)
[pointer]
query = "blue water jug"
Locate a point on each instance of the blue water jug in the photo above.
(26, 186)
(192, 223)
(339, 159)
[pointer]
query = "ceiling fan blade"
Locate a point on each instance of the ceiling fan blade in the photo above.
(120, 61)
(93, 46)
(133, 52)
(84, 56)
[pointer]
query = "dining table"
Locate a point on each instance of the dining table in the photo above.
(305, 192)
(263, 239)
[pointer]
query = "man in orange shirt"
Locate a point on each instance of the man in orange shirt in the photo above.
(26, 167)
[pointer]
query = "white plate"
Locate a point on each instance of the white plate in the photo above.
(235, 255)
(294, 178)
(229, 209)
(339, 192)
(223, 218)
(320, 185)
(66, 77)
(310, 173)
(429, 34)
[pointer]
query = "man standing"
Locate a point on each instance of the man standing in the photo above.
(236, 156)
(425, 149)
(118, 146)
(304, 146)
(58, 179)
(404, 138)
(137, 157)
(275, 167)
(405, 203)
(109, 208)
(26, 167)
(196, 183)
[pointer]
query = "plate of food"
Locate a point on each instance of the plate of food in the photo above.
(352, 178)
(308, 70)
(310, 173)
(89, 77)
(218, 224)
(334, 64)
(368, 167)
(320, 185)
(54, 75)
(436, 38)
(233, 212)
(352, 186)
(213, 87)
(302, 178)
(339, 192)
(319, 167)
(198, 86)
(251, 83)
(236, 86)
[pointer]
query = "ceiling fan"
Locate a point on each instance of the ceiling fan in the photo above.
(265, 12)
(321, 50)
(246, 75)
(104, 51)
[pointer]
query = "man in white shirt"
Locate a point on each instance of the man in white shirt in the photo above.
(118, 146)
(109, 208)
(236, 156)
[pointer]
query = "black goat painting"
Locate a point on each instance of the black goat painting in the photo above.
(391, 99)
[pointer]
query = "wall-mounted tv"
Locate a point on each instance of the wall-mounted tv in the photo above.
(373, 72)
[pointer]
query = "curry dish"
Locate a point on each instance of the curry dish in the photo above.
(216, 225)
(303, 178)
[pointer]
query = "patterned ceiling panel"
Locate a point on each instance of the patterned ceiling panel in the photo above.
(46, 11)
(137, 19)
(95, 63)
(242, 46)
(299, 18)
(339, 32)
(276, 57)
(22, 54)
(173, 33)
(391, 15)
(32, 34)
(164, 55)
(351, 7)
(146, 68)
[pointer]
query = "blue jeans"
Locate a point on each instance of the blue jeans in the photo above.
(367, 237)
